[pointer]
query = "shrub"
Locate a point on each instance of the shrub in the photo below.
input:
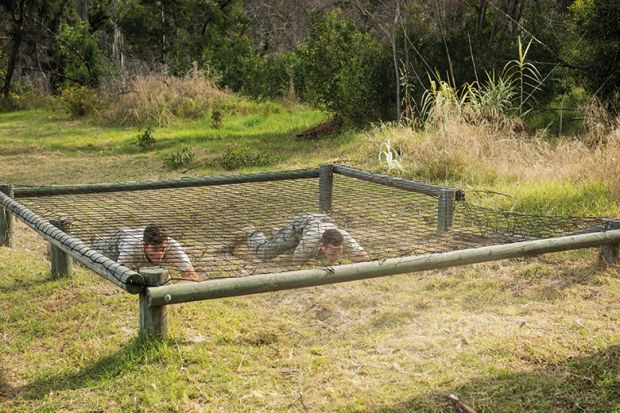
(179, 159)
(346, 71)
(237, 157)
(161, 99)
(216, 118)
(84, 63)
(596, 45)
(145, 139)
(80, 101)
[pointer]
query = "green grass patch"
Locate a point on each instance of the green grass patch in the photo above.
(536, 334)
(560, 198)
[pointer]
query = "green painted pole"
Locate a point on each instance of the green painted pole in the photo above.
(391, 181)
(262, 283)
(153, 319)
(61, 262)
(176, 183)
(7, 220)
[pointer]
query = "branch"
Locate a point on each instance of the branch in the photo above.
(37, 69)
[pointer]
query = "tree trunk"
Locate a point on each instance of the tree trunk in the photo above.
(81, 7)
(395, 57)
(57, 69)
(16, 40)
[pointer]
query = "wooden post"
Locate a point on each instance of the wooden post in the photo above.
(62, 262)
(153, 320)
(326, 186)
(7, 221)
(445, 210)
(610, 252)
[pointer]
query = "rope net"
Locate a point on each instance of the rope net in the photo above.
(211, 222)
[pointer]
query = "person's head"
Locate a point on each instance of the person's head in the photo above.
(332, 245)
(155, 242)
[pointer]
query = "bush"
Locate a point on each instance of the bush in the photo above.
(595, 26)
(346, 71)
(80, 101)
(162, 99)
(237, 157)
(145, 139)
(179, 159)
(84, 63)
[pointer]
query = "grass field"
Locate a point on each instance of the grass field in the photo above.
(535, 334)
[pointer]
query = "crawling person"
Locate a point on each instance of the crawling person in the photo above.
(309, 236)
(148, 246)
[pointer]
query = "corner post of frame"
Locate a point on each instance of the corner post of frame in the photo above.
(153, 320)
(610, 253)
(7, 220)
(445, 210)
(61, 262)
(326, 186)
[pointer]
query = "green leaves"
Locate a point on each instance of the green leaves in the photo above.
(344, 69)
(525, 75)
(84, 62)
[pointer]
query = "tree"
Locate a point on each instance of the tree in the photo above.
(595, 25)
(16, 9)
(346, 71)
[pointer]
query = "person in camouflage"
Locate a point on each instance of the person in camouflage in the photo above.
(309, 236)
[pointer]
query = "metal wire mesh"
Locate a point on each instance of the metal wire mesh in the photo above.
(386, 222)
(513, 226)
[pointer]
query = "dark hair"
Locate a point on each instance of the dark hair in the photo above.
(154, 234)
(332, 237)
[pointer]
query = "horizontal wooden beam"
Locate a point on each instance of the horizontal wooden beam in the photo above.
(392, 181)
(38, 191)
(262, 283)
(123, 277)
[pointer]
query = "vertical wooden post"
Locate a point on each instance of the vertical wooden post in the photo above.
(7, 221)
(153, 320)
(445, 210)
(326, 187)
(610, 252)
(61, 262)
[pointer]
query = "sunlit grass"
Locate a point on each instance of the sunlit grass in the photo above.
(534, 334)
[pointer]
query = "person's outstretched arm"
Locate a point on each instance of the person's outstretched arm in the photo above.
(190, 273)
(360, 257)
(353, 249)
(176, 256)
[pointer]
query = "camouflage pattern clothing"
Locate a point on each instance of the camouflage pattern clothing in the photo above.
(126, 247)
(303, 235)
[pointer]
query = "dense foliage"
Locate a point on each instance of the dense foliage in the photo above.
(365, 60)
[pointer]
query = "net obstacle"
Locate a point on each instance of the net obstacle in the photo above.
(406, 226)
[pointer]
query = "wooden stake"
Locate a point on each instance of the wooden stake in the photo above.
(7, 221)
(153, 320)
(610, 252)
(61, 262)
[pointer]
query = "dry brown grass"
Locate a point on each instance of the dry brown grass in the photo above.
(483, 152)
(159, 99)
